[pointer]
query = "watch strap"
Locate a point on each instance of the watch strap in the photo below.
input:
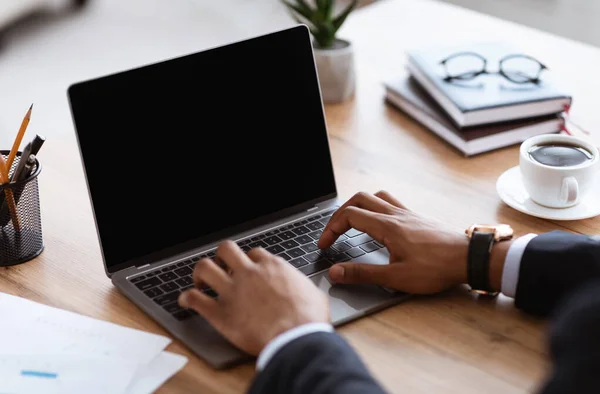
(478, 261)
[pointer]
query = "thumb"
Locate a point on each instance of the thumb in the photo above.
(361, 273)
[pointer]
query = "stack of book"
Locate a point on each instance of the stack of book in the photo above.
(481, 114)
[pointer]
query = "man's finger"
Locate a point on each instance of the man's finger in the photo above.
(386, 196)
(231, 254)
(352, 217)
(361, 273)
(258, 254)
(209, 273)
(200, 302)
(366, 201)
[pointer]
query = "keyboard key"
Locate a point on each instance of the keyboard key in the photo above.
(272, 240)
(167, 298)
(168, 276)
(181, 264)
(341, 238)
(370, 247)
(185, 271)
(258, 244)
(152, 274)
(378, 244)
(296, 252)
(197, 258)
(312, 257)
(289, 244)
(275, 249)
(287, 227)
(183, 314)
(171, 286)
(254, 239)
(211, 254)
(246, 249)
(299, 262)
(138, 279)
(312, 219)
(244, 242)
(316, 234)
(341, 247)
(166, 269)
(172, 307)
(315, 225)
(270, 233)
(287, 235)
(315, 267)
(336, 258)
(148, 283)
(303, 239)
(359, 240)
(353, 233)
(285, 256)
(154, 292)
(311, 247)
(301, 230)
(355, 252)
(186, 281)
(324, 221)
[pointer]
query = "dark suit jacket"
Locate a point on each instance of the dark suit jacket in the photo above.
(559, 276)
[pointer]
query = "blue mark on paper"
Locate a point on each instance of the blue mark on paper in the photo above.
(38, 374)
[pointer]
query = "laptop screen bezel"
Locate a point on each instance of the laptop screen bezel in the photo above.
(199, 242)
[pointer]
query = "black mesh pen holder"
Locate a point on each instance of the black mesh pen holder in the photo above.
(20, 221)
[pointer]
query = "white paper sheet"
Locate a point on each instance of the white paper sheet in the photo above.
(155, 374)
(59, 374)
(61, 352)
(73, 333)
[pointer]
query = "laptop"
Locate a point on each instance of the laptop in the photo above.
(227, 143)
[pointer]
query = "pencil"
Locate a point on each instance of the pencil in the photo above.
(10, 199)
(17, 143)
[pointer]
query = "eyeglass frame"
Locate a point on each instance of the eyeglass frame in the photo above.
(473, 75)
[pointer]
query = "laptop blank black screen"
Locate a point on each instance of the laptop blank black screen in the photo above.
(178, 151)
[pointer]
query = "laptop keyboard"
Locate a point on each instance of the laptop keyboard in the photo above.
(295, 242)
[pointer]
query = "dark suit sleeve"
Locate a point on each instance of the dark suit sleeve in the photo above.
(553, 266)
(318, 363)
(575, 344)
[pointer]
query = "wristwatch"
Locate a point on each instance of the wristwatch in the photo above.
(481, 239)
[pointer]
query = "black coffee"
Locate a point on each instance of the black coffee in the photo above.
(559, 155)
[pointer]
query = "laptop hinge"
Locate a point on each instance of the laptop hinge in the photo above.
(312, 209)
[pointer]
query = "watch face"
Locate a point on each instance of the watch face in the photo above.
(500, 231)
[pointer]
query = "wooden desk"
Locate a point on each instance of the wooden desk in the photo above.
(450, 343)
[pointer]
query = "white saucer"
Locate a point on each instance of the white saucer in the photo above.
(512, 192)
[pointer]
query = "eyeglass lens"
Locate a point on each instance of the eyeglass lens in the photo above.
(521, 69)
(464, 66)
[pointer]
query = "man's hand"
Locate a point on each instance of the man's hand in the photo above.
(260, 297)
(424, 256)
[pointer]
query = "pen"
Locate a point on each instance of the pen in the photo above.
(37, 143)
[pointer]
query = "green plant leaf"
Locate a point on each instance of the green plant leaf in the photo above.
(338, 21)
(308, 14)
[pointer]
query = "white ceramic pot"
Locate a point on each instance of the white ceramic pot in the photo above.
(335, 67)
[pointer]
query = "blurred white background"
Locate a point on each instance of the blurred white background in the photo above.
(43, 54)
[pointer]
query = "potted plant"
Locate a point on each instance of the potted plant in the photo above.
(334, 56)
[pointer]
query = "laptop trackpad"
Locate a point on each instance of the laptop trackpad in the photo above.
(348, 302)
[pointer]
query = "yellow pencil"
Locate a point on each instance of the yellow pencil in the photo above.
(10, 199)
(18, 139)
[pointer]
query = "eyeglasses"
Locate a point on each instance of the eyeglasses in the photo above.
(464, 66)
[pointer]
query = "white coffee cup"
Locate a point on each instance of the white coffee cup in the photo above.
(558, 187)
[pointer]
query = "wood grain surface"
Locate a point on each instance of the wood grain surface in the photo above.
(448, 343)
